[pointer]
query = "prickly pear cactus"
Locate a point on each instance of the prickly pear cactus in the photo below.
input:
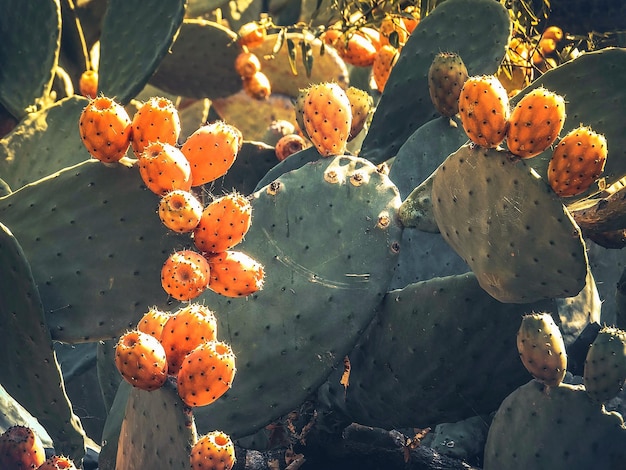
(531, 429)
(150, 27)
(508, 225)
(406, 103)
(31, 39)
(32, 374)
(321, 286)
(84, 213)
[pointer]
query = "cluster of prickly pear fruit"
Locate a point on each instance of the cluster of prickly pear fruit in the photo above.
(255, 83)
(181, 344)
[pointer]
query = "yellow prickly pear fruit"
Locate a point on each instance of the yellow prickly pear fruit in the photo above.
(180, 211)
(385, 59)
(484, 110)
(361, 103)
(535, 123)
(577, 162)
(541, 348)
(327, 118)
(446, 76)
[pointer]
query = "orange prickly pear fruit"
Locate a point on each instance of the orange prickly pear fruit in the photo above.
(411, 23)
(184, 330)
(211, 150)
(553, 32)
(164, 168)
(535, 123)
(385, 59)
(372, 35)
(185, 275)
(58, 462)
(251, 35)
(257, 86)
(88, 84)
(541, 348)
(180, 211)
(361, 103)
(213, 451)
(577, 161)
(327, 118)
(153, 322)
(484, 110)
(356, 49)
(206, 373)
(156, 120)
(21, 448)
(223, 224)
(141, 360)
(247, 64)
(289, 144)
(446, 76)
(105, 129)
(235, 274)
(390, 27)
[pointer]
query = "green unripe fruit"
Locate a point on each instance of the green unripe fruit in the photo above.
(605, 365)
(446, 77)
(541, 348)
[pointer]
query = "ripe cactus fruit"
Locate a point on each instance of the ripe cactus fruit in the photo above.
(141, 360)
(247, 64)
(393, 26)
(356, 49)
(577, 161)
(105, 129)
(361, 103)
(251, 35)
(211, 150)
(535, 123)
(235, 274)
(223, 224)
(213, 451)
(484, 110)
(184, 330)
(446, 76)
(288, 145)
(164, 168)
(206, 373)
(605, 365)
(257, 86)
(58, 462)
(385, 59)
(541, 348)
(327, 118)
(21, 448)
(88, 84)
(156, 120)
(185, 275)
(153, 322)
(180, 211)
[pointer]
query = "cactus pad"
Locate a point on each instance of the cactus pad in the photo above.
(508, 226)
(327, 237)
(136, 35)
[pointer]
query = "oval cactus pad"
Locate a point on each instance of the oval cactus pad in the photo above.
(507, 224)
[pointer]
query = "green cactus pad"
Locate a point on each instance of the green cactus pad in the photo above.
(109, 377)
(136, 35)
(595, 96)
(540, 430)
(200, 72)
(44, 142)
(32, 374)
(327, 237)
(327, 67)
(406, 105)
(31, 39)
(157, 431)
(509, 226)
(418, 363)
(294, 162)
(96, 247)
(112, 427)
